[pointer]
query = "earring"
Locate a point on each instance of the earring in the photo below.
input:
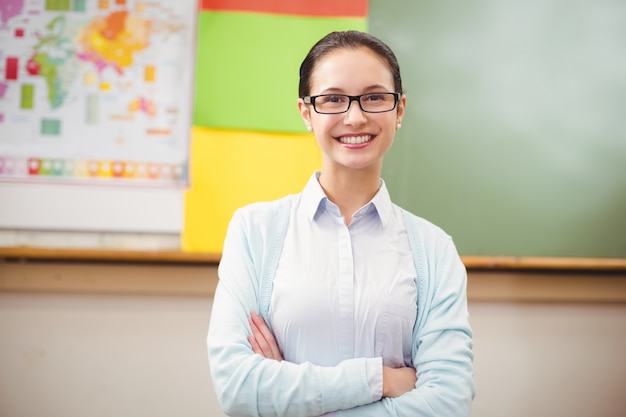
(309, 128)
(399, 126)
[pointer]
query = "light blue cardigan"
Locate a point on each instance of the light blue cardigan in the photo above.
(248, 385)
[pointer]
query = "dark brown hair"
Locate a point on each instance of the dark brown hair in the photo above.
(350, 39)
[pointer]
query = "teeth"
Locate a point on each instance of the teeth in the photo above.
(355, 140)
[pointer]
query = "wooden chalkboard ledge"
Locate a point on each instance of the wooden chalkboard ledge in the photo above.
(109, 255)
(172, 256)
(541, 263)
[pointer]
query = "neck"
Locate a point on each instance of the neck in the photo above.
(349, 189)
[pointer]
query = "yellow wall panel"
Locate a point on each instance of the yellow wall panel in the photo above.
(230, 169)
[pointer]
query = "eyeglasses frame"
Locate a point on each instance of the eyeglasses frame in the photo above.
(311, 100)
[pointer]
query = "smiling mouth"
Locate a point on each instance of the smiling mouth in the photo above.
(355, 140)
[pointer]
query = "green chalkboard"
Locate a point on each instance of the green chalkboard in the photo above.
(514, 141)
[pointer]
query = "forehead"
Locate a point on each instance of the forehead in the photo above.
(351, 69)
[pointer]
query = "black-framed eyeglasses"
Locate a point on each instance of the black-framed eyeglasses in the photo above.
(340, 103)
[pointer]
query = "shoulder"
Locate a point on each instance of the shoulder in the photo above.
(423, 227)
(431, 245)
(257, 228)
(263, 210)
(262, 218)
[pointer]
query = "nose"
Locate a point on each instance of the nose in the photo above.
(355, 115)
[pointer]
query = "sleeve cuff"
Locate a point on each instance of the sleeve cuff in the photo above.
(374, 373)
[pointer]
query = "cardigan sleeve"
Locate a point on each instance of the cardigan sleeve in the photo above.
(247, 384)
(442, 346)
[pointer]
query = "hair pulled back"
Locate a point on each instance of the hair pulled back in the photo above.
(350, 39)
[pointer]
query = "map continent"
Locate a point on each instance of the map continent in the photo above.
(112, 40)
(9, 9)
(53, 59)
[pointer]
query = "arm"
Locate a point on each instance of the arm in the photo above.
(442, 351)
(245, 382)
(396, 381)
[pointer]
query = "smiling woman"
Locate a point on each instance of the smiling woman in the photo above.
(316, 311)
(348, 68)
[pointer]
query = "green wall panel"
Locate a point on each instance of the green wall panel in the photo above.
(247, 68)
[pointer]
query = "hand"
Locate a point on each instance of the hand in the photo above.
(262, 340)
(398, 381)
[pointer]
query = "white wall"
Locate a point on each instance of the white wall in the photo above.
(552, 360)
(98, 355)
(64, 355)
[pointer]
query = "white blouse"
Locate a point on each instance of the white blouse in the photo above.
(341, 291)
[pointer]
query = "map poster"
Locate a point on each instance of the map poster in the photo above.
(96, 91)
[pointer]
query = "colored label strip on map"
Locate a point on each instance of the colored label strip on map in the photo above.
(50, 167)
(27, 96)
(11, 66)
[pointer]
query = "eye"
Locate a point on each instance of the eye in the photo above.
(332, 99)
(375, 97)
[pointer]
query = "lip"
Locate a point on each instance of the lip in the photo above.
(355, 140)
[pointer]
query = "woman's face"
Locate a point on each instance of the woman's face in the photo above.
(355, 139)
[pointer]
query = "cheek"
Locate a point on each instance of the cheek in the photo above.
(389, 123)
(324, 123)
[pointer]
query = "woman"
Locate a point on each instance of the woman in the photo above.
(335, 300)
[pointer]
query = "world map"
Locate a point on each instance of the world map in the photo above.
(116, 72)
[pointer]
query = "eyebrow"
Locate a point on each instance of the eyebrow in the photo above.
(370, 88)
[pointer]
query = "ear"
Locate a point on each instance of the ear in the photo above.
(400, 112)
(305, 114)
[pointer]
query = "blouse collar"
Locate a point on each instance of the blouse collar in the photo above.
(314, 199)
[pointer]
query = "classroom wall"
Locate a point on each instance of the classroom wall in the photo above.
(135, 346)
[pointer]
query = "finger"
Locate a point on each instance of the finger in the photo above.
(254, 345)
(258, 325)
(261, 344)
(264, 340)
(268, 336)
